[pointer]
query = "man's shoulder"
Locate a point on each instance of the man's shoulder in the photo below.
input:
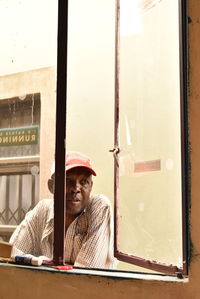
(45, 207)
(99, 201)
(46, 203)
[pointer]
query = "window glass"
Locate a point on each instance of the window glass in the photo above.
(20, 126)
(27, 106)
(150, 211)
(150, 199)
(90, 102)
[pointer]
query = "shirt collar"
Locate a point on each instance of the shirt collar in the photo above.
(51, 210)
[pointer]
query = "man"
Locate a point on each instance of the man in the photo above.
(89, 236)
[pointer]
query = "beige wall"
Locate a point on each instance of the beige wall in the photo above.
(19, 283)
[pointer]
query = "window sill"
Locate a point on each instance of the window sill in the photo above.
(105, 273)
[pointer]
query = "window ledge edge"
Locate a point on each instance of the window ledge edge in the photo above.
(113, 274)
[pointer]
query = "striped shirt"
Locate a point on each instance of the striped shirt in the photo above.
(89, 238)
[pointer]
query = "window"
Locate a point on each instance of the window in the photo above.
(150, 136)
(19, 151)
(27, 106)
(150, 131)
(125, 72)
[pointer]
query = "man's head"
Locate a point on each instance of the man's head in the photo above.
(79, 183)
(78, 188)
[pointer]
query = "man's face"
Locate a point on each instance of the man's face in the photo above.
(78, 188)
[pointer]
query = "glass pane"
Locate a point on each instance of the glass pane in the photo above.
(27, 105)
(90, 105)
(20, 126)
(149, 132)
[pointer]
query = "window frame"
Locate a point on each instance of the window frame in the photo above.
(61, 101)
(61, 109)
(139, 261)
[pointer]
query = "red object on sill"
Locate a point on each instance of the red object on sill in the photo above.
(66, 267)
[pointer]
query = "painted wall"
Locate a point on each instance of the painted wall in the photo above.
(19, 283)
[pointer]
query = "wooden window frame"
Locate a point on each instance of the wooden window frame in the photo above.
(59, 195)
(154, 265)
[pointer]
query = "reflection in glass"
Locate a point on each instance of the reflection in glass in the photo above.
(149, 133)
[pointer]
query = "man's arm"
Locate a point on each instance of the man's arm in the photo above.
(97, 246)
(25, 238)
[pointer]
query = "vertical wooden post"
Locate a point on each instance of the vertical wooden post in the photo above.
(116, 128)
(59, 195)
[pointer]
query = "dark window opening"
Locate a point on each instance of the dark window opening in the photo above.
(19, 159)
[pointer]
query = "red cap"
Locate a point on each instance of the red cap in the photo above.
(77, 159)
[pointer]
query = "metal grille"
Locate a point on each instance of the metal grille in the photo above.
(19, 194)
